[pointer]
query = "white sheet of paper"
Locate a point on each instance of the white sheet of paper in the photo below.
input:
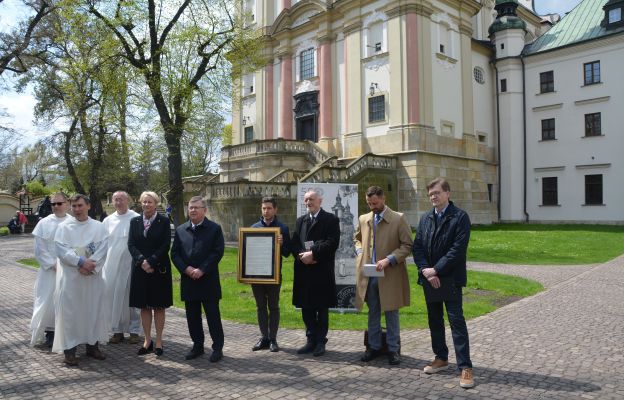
(259, 252)
(371, 270)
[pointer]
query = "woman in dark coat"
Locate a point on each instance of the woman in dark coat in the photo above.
(150, 286)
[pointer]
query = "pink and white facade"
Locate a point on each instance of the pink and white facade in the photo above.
(412, 79)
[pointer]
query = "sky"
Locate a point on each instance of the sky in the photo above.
(20, 105)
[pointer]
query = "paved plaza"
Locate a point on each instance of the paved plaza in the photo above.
(564, 343)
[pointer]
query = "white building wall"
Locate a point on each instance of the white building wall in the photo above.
(511, 142)
(484, 100)
(446, 77)
(376, 71)
(573, 154)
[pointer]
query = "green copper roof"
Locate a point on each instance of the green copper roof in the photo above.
(579, 25)
(506, 22)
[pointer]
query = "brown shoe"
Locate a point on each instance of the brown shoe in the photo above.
(134, 338)
(70, 361)
(96, 353)
(116, 338)
(466, 381)
(436, 365)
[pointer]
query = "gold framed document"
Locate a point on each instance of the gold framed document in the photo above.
(259, 255)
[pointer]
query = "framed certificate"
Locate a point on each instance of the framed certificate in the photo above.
(259, 255)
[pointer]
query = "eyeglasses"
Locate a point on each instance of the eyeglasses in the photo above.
(432, 194)
(60, 203)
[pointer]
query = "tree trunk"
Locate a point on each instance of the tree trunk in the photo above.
(176, 189)
(67, 155)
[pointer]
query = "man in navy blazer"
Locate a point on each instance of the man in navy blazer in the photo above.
(197, 249)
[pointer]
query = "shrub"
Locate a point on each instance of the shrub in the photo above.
(36, 188)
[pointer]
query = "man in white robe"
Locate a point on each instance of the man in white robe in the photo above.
(42, 322)
(80, 310)
(123, 318)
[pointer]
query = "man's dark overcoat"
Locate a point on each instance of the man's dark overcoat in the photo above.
(314, 286)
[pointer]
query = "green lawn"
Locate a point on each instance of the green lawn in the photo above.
(504, 243)
(545, 244)
(29, 261)
(485, 293)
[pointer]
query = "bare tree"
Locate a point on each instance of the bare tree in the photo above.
(14, 44)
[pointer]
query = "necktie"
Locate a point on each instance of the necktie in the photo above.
(377, 219)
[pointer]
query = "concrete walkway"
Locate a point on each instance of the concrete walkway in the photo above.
(564, 343)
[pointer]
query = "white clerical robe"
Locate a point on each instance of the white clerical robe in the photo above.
(117, 268)
(80, 310)
(45, 253)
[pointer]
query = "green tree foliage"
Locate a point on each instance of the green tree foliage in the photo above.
(227, 134)
(178, 46)
(78, 81)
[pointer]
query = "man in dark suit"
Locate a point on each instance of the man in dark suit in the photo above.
(314, 245)
(197, 249)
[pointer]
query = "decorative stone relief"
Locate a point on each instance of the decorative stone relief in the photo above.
(306, 86)
(374, 17)
(445, 19)
(377, 63)
(303, 18)
(306, 44)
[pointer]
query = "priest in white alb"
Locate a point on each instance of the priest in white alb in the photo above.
(117, 268)
(81, 315)
(42, 322)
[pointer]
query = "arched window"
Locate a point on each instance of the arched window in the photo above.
(479, 75)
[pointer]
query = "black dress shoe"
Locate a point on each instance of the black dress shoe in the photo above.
(70, 361)
(96, 353)
(143, 351)
(273, 347)
(394, 358)
(216, 355)
(49, 339)
(370, 354)
(158, 351)
(308, 348)
(319, 350)
(194, 353)
(262, 344)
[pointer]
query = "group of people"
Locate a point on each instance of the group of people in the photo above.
(94, 276)
(17, 224)
(113, 277)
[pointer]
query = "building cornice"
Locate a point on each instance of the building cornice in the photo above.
(420, 7)
(592, 166)
(548, 107)
(592, 101)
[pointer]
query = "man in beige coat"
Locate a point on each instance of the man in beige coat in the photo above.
(383, 238)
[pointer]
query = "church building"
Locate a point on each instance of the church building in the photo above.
(520, 112)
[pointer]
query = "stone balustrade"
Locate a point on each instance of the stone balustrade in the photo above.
(243, 189)
(258, 147)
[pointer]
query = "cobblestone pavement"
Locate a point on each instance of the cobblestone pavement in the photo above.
(563, 343)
